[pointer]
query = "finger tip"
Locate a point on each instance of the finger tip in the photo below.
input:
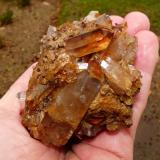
(147, 55)
(149, 38)
(136, 22)
(116, 19)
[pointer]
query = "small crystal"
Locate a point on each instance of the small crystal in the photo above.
(114, 72)
(104, 21)
(21, 96)
(51, 30)
(82, 65)
(91, 16)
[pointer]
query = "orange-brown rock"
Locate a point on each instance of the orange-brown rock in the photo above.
(84, 82)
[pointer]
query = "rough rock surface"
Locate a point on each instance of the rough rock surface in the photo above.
(84, 82)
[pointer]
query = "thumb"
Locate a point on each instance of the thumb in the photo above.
(10, 101)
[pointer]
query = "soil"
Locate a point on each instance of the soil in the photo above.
(148, 134)
(22, 38)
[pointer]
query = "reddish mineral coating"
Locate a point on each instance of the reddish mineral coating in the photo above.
(84, 82)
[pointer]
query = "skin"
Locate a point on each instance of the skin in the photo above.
(16, 143)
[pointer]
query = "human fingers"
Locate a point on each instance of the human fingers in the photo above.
(136, 22)
(146, 59)
(116, 19)
(88, 152)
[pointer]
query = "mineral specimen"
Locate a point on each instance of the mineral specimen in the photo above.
(84, 81)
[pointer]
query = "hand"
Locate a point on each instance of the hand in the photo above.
(16, 143)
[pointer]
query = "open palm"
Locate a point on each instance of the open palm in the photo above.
(16, 143)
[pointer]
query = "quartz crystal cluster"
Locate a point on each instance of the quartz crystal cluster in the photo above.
(84, 81)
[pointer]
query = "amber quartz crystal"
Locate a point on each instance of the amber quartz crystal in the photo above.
(84, 82)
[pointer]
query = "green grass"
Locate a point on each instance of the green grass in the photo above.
(74, 9)
(6, 17)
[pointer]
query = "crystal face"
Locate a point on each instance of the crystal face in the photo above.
(88, 43)
(84, 82)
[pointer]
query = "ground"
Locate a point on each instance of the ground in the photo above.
(22, 41)
(22, 37)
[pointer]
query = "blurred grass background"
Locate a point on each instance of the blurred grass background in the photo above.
(71, 9)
